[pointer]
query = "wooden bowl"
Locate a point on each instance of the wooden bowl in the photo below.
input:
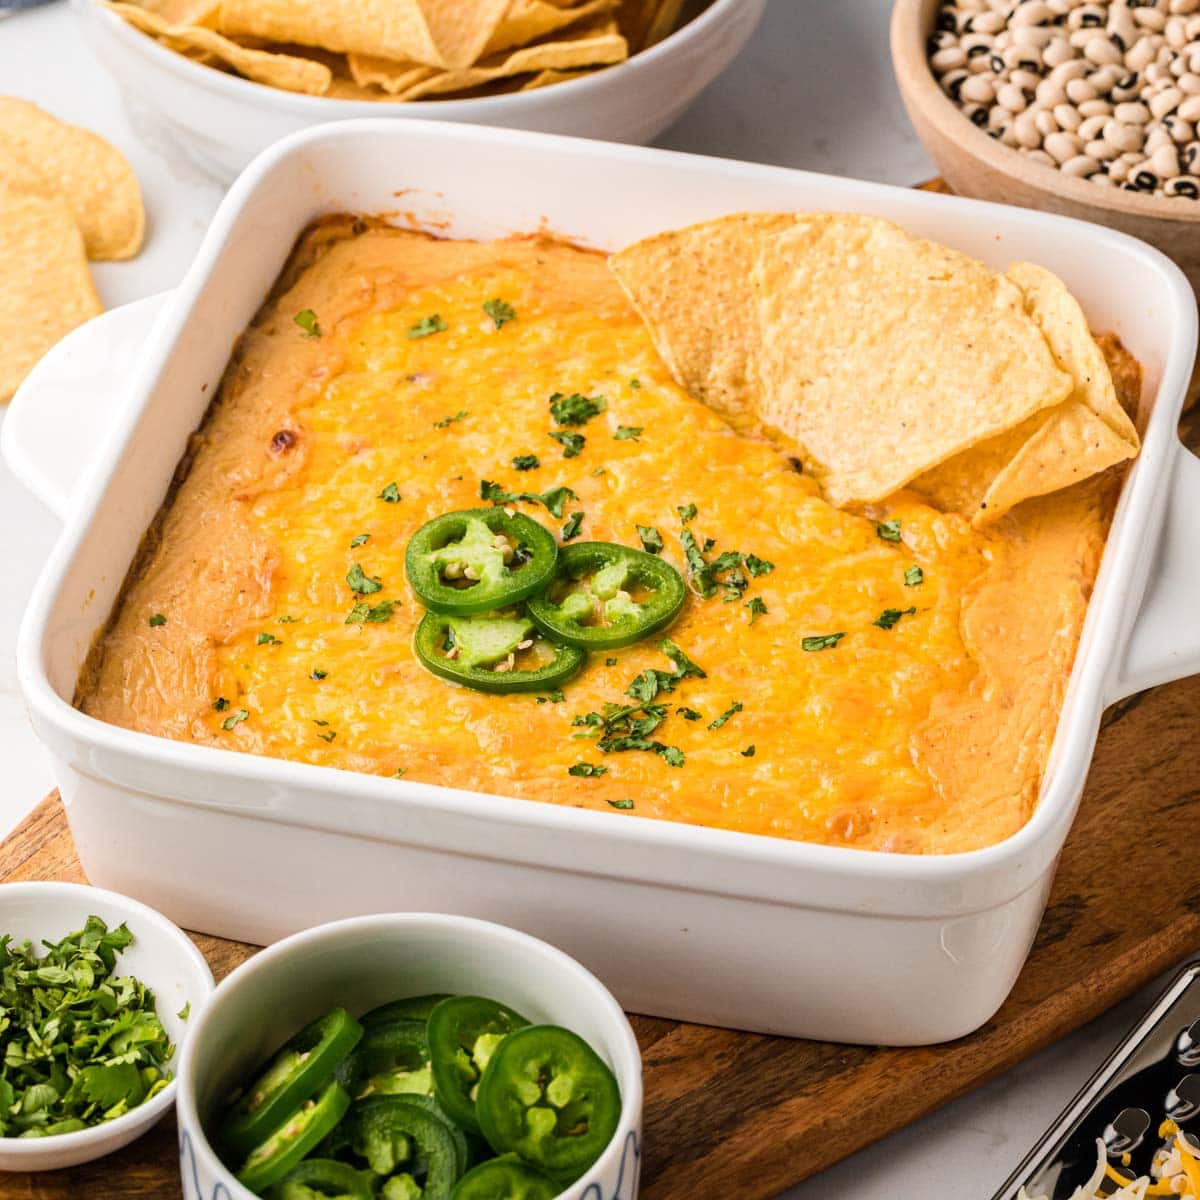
(977, 165)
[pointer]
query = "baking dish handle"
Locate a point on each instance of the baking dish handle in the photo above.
(66, 406)
(1165, 641)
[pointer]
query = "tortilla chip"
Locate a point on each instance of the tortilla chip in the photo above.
(439, 33)
(46, 289)
(600, 46)
(662, 23)
(546, 78)
(692, 287)
(883, 354)
(1053, 449)
(368, 70)
(93, 176)
(530, 20)
(284, 71)
(183, 12)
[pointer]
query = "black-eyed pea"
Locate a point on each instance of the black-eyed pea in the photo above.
(1141, 54)
(1184, 6)
(1081, 166)
(1033, 12)
(1086, 16)
(1189, 84)
(1074, 68)
(1026, 130)
(1068, 117)
(1026, 80)
(1175, 32)
(1103, 78)
(1166, 101)
(1040, 156)
(1099, 150)
(977, 114)
(1079, 90)
(1044, 120)
(1100, 179)
(1156, 138)
(1128, 87)
(1050, 92)
(1121, 137)
(1096, 108)
(1143, 180)
(1190, 158)
(988, 22)
(975, 44)
(1150, 18)
(1181, 131)
(978, 90)
(952, 83)
(1092, 127)
(1057, 52)
(1193, 26)
(1165, 161)
(1132, 113)
(1102, 50)
(1181, 185)
(1189, 110)
(1009, 138)
(998, 120)
(1061, 146)
(1010, 97)
(1034, 35)
(948, 59)
(1118, 170)
(981, 64)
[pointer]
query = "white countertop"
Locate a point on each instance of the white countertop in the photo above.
(813, 89)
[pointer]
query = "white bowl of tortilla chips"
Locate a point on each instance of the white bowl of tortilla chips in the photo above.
(229, 77)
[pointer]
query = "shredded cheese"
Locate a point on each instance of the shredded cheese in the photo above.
(1143, 1186)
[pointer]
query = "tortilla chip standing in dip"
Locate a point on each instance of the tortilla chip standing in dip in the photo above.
(856, 661)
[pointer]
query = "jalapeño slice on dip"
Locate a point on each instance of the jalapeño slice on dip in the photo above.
(605, 596)
(494, 652)
(478, 560)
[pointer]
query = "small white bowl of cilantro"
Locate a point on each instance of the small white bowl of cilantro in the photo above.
(96, 991)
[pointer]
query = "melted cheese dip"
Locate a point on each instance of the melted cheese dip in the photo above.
(927, 737)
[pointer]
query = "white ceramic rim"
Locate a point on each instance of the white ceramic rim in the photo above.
(1023, 856)
(333, 108)
(629, 1073)
(157, 1106)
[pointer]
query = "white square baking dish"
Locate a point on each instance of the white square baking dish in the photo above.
(701, 924)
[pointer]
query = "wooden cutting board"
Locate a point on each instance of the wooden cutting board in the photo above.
(742, 1115)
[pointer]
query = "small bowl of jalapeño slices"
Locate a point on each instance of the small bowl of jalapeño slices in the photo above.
(411, 1056)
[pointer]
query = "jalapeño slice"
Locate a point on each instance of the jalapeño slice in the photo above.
(506, 1178)
(478, 560)
(298, 1069)
(392, 1059)
(496, 652)
(409, 1143)
(547, 1096)
(274, 1157)
(324, 1179)
(411, 1008)
(605, 596)
(464, 1032)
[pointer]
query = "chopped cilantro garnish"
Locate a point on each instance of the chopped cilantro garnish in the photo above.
(286, 620)
(307, 320)
(698, 568)
(584, 770)
(890, 616)
(572, 527)
(635, 384)
(555, 697)
(758, 566)
(359, 539)
(622, 804)
(266, 639)
(757, 608)
(235, 718)
(185, 1011)
(81, 1041)
(373, 615)
(554, 499)
(526, 462)
(500, 311)
(610, 662)
(318, 721)
(426, 326)
(732, 710)
(328, 736)
(362, 584)
(688, 714)
(458, 416)
(317, 674)
(652, 541)
(822, 642)
(575, 409)
(749, 751)
(399, 773)
(687, 512)
(156, 620)
(914, 577)
(684, 667)
(888, 530)
(572, 443)
(627, 432)
(672, 756)
(220, 704)
(390, 494)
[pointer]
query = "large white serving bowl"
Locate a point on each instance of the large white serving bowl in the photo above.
(223, 121)
(162, 956)
(363, 962)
